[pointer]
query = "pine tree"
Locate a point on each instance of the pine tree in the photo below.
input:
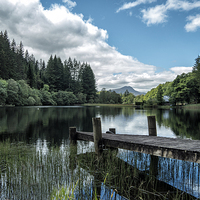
(31, 76)
(88, 83)
(67, 79)
(58, 66)
(13, 46)
(21, 65)
(50, 75)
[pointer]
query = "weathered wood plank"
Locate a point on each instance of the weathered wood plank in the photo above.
(176, 148)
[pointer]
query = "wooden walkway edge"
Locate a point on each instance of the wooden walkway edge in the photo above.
(182, 149)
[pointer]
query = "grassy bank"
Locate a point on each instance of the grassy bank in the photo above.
(191, 106)
(125, 105)
(108, 105)
(188, 106)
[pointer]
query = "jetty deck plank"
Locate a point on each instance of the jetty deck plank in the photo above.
(183, 149)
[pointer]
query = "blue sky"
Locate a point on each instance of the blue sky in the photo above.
(139, 43)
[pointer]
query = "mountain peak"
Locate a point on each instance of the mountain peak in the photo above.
(129, 88)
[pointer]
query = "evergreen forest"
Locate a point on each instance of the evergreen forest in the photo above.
(27, 81)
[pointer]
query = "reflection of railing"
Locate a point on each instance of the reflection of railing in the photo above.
(188, 150)
(152, 145)
(126, 180)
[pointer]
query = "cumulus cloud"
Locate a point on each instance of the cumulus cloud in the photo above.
(155, 15)
(59, 31)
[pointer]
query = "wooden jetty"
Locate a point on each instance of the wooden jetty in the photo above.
(176, 148)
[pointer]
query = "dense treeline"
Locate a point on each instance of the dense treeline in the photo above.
(185, 88)
(109, 97)
(27, 81)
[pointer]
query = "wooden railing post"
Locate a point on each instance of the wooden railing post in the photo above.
(152, 125)
(113, 130)
(97, 134)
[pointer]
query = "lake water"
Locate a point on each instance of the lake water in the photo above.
(34, 158)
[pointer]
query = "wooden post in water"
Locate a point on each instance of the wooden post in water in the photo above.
(72, 135)
(111, 131)
(73, 147)
(153, 169)
(97, 134)
(152, 125)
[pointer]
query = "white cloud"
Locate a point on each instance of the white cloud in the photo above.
(58, 31)
(70, 3)
(158, 13)
(180, 70)
(129, 5)
(193, 24)
(22, 2)
(155, 15)
(182, 5)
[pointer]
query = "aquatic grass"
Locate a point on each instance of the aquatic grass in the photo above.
(64, 193)
(28, 172)
(38, 172)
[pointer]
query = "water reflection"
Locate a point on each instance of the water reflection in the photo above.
(33, 171)
(183, 175)
(52, 123)
(37, 170)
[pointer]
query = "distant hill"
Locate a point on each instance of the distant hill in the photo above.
(130, 89)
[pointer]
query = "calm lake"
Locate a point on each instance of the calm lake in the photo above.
(36, 158)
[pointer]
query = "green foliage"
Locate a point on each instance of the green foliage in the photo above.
(35, 94)
(64, 193)
(126, 93)
(12, 91)
(139, 98)
(109, 97)
(31, 101)
(31, 76)
(54, 82)
(128, 98)
(184, 89)
(88, 83)
(72, 76)
(159, 95)
(18, 93)
(196, 71)
(81, 98)
(3, 92)
(46, 98)
(64, 98)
